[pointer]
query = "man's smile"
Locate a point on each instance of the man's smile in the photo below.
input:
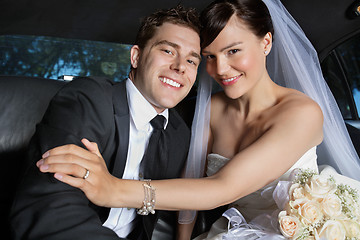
(170, 82)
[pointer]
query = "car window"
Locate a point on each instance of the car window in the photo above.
(50, 57)
(349, 53)
(341, 70)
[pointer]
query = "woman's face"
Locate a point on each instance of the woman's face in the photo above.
(236, 58)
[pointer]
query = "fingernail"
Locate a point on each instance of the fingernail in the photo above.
(40, 162)
(44, 167)
(58, 176)
(46, 154)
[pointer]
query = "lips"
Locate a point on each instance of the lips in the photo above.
(230, 81)
(170, 82)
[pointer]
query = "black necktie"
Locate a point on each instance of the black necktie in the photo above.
(155, 159)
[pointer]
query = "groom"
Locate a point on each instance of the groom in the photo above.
(117, 117)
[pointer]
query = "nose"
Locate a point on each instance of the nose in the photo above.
(221, 66)
(178, 65)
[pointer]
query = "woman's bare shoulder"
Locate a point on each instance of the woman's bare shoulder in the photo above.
(298, 104)
(298, 111)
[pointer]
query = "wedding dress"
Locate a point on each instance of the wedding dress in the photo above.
(292, 63)
(259, 209)
(256, 203)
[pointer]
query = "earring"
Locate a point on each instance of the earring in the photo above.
(265, 52)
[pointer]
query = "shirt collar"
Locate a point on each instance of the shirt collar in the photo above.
(141, 110)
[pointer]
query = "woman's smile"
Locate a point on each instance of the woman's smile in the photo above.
(230, 81)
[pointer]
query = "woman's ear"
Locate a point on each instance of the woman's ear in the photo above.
(267, 43)
(134, 56)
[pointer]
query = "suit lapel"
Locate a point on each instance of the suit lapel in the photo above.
(122, 121)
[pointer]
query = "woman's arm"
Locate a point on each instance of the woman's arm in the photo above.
(298, 129)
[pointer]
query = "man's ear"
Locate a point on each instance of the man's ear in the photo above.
(267, 42)
(134, 56)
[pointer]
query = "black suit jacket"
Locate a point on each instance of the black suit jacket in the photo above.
(97, 109)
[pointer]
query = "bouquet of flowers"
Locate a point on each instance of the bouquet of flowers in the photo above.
(320, 208)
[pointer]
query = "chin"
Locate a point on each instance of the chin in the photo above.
(172, 104)
(232, 94)
(168, 103)
(172, 101)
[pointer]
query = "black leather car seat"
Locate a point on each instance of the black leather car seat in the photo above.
(23, 101)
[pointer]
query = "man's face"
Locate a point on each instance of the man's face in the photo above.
(166, 68)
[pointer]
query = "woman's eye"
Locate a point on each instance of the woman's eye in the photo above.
(209, 57)
(233, 51)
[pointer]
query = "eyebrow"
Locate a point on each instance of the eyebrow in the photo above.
(176, 46)
(226, 47)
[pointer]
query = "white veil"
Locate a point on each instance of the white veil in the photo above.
(293, 63)
(199, 136)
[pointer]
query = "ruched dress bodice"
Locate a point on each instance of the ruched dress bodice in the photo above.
(260, 201)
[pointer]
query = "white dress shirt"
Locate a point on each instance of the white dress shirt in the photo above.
(121, 220)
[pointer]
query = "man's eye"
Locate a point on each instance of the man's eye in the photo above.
(192, 62)
(168, 51)
(209, 57)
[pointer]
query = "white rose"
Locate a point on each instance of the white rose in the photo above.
(331, 205)
(332, 230)
(352, 228)
(311, 212)
(297, 203)
(296, 191)
(319, 186)
(289, 225)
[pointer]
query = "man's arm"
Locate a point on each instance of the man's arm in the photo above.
(45, 208)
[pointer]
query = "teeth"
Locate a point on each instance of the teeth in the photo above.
(229, 79)
(170, 82)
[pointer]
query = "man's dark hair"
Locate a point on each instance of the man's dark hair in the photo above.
(179, 15)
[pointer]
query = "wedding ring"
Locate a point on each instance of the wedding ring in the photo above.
(86, 174)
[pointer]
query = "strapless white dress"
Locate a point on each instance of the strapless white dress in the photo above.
(259, 207)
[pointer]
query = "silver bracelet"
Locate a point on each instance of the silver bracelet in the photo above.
(149, 199)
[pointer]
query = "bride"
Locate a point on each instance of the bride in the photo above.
(275, 114)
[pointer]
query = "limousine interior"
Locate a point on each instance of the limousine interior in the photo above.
(45, 43)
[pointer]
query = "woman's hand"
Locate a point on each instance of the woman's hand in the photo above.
(81, 168)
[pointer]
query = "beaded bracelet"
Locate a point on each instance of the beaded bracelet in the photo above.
(149, 199)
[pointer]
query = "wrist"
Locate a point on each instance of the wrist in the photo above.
(148, 205)
(116, 193)
(126, 193)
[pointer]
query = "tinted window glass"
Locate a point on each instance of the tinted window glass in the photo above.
(341, 70)
(349, 53)
(336, 81)
(53, 57)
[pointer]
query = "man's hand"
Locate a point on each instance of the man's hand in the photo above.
(81, 168)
